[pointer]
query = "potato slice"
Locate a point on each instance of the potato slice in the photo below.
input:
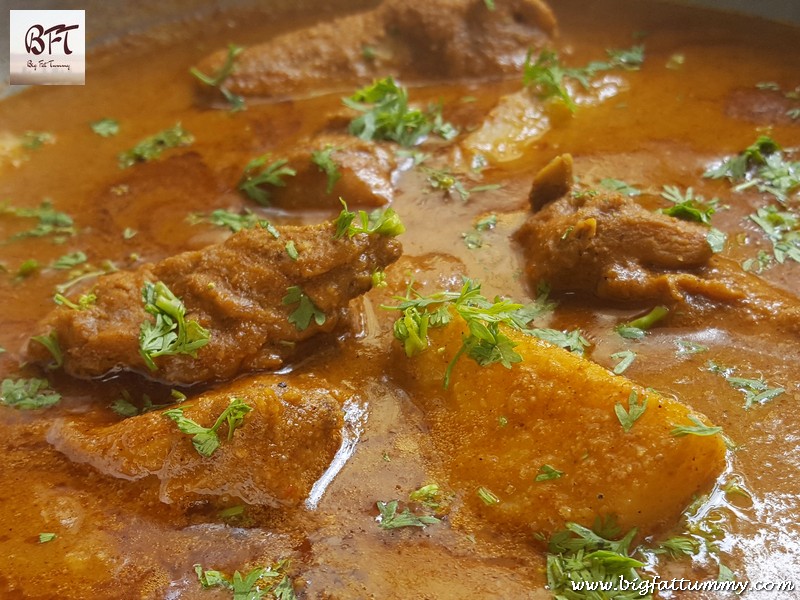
(497, 428)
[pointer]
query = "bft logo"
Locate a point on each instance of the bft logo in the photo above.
(34, 38)
(47, 47)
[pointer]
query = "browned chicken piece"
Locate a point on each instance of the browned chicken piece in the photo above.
(237, 290)
(365, 171)
(284, 444)
(607, 245)
(411, 40)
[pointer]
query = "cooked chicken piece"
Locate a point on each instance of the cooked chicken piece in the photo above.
(411, 40)
(554, 411)
(239, 291)
(365, 172)
(607, 245)
(285, 443)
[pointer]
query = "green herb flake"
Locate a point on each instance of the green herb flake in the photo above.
(33, 140)
(490, 4)
(69, 261)
(615, 185)
(256, 584)
(389, 518)
(235, 221)
(206, 439)
(699, 428)
(324, 160)
(688, 347)
(306, 309)
(548, 473)
(386, 115)
(84, 301)
(28, 394)
(28, 268)
(378, 222)
(687, 206)
(151, 147)
(678, 547)
(636, 329)
(50, 341)
(574, 340)
(487, 496)
(430, 496)
(291, 250)
(218, 78)
(47, 537)
(105, 127)
(171, 333)
(253, 180)
(625, 358)
(756, 391)
(782, 228)
(636, 409)
(51, 221)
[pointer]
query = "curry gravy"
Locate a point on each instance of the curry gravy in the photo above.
(663, 125)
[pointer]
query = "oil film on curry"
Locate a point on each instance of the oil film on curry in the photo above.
(453, 299)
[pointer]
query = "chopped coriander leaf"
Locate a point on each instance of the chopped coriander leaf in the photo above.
(486, 343)
(676, 61)
(548, 473)
(124, 408)
(625, 358)
(84, 301)
(579, 554)
(380, 222)
(793, 113)
(490, 4)
(28, 394)
(253, 180)
(389, 518)
(385, 115)
(699, 428)
(256, 584)
(105, 127)
(171, 333)
(234, 221)
(486, 223)
(2, 350)
(615, 185)
(152, 147)
(50, 341)
(569, 340)
(442, 179)
(129, 233)
(291, 250)
(205, 439)
(636, 409)
(687, 206)
(430, 496)
(51, 221)
(761, 165)
(47, 537)
(545, 75)
(686, 347)
(756, 391)
(635, 330)
(106, 267)
(487, 496)
(324, 160)
(678, 546)
(70, 260)
(33, 140)
(306, 309)
(783, 230)
(472, 239)
(218, 78)
(28, 268)
(716, 240)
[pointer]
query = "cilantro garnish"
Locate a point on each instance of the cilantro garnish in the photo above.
(574, 341)
(687, 347)
(546, 75)
(548, 473)
(389, 518)
(217, 80)
(171, 333)
(487, 496)
(579, 554)
(47, 537)
(430, 496)
(677, 547)
(51, 221)
(625, 358)
(256, 584)
(324, 160)
(635, 410)
(636, 329)
(756, 391)
(252, 180)
(291, 250)
(386, 115)
(50, 341)
(688, 206)
(783, 230)
(205, 439)
(616, 185)
(234, 221)
(84, 301)
(105, 127)
(486, 344)
(28, 394)
(762, 165)
(152, 147)
(68, 261)
(33, 140)
(306, 309)
(699, 428)
(380, 222)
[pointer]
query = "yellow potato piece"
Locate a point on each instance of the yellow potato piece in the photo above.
(496, 428)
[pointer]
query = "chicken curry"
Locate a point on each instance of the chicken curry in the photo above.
(454, 299)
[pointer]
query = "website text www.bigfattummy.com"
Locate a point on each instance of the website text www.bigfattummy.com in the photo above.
(649, 586)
